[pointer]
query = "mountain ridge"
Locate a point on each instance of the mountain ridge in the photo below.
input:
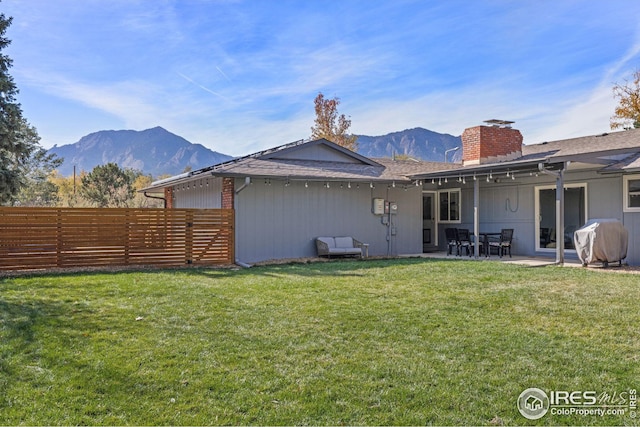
(154, 151)
(416, 142)
(158, 152)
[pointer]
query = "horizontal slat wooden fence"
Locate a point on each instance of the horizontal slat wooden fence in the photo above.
(38, 238)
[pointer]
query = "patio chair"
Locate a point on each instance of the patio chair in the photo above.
(545, 237)
(452, 240)
(504, 243)
(464, 241)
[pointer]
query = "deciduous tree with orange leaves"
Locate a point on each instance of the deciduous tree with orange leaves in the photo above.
(627, 113)
(331, 126)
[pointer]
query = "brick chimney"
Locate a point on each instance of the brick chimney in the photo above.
(494, 143)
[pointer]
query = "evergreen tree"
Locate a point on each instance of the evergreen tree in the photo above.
(18, 140)
(108, 186)
(38, 189)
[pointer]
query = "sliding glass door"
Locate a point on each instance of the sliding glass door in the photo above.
(575, 215)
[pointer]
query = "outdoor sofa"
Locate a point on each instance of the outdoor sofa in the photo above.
(343, 246)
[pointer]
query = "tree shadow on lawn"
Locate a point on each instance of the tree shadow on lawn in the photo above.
(318, 267)
(23, 323)
(308, 267)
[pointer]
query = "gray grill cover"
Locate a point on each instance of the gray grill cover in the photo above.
(604, 240)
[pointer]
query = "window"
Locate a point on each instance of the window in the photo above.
(449, 205)
(631, 184)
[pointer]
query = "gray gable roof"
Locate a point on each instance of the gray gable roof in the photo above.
(614, 151)
(323, 160)
(586, 147)
(317, 160)
(628, 164)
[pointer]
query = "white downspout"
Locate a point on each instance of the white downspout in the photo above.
(247, 182)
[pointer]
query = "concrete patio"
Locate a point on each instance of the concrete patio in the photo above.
(520, 260)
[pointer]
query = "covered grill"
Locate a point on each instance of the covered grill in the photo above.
(601, 240)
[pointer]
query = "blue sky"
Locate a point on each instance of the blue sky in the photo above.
(240, 76)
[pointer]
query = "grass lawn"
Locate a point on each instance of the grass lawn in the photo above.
(356, 342)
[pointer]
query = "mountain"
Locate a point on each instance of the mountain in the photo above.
(159, 152)
(153, 151)
(418, 143)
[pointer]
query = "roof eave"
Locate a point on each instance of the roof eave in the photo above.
(595, 156)
(353, 178)
(485, 168)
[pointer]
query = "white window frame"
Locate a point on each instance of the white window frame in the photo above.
(448, 221)
(625, 193)
(537, 189)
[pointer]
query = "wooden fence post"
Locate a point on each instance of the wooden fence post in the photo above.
(59, 237)
(127, 235)
(188, 243)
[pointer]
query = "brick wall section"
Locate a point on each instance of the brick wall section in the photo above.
(168, 195)
(228, 193)
(483, 143)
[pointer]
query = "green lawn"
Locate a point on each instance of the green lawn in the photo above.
(356, 342)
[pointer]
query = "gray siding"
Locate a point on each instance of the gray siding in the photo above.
(277, 221)
(632, 223)
(204, 193)
(511, 204)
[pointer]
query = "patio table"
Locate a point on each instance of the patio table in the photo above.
(484, 238)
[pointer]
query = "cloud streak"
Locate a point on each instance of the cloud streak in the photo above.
(206, 89)
(249, 71)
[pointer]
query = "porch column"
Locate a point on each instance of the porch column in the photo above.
(228, 193)
(168, 198)
(476, 217)
(560, 217)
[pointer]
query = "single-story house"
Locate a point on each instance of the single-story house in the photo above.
(287, 196)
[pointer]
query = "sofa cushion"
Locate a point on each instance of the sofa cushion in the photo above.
(345, 251)
(330, 241)
(344, 242)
